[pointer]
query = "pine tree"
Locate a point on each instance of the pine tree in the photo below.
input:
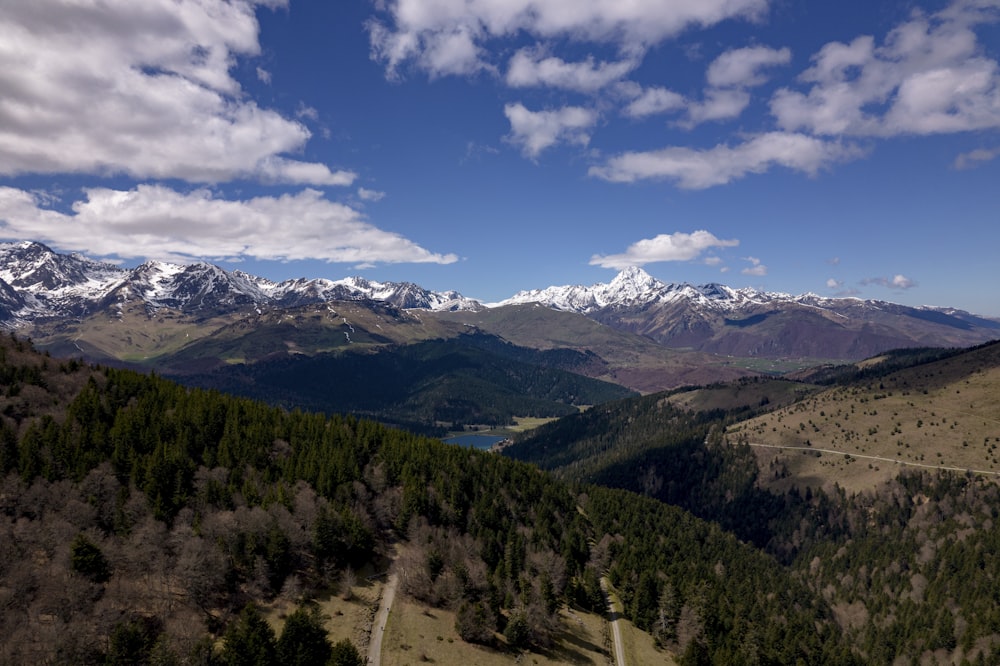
(250, 641)
(304, 639)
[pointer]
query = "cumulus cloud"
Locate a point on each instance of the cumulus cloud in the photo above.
(370, 195)
(729, 77)
(420, 32)
(755, 268)
(895, 282)
(928, 76)
(533, 68)
(652, 101)
(156, 221)
(142, 89)
(743, 67)
(698, 169)
(975, 158)
(834, 284)
(678, 246)
(534, 131)
(718, 104)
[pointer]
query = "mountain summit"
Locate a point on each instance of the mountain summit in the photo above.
(38, 284)
(635, 287)
(746, 322)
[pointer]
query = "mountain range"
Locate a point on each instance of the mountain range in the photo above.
(52, 296)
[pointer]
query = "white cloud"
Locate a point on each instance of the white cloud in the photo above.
(534, 131)
(142, 89)
(975, 158)
(156, 221)
(756, 268)
(929, 76)
(698, 169)
(834, 284)
(678, 246)
(370, 195)
(719, 104)
(653, 101)
(532, 68)
(263, 75)
(742, 67)
(280, 170)
(729, 76)
(895, 282)
(414, 30)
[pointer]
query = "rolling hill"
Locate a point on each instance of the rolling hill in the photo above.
(143, 521)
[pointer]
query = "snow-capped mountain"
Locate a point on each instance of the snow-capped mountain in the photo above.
(37, 282)
(40, 285)
(634, 287)
(747, 322)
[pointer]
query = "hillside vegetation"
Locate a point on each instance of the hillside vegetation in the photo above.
(431, 386)
(145, 522)
(900, 553)
(629, 359)
(916, 409)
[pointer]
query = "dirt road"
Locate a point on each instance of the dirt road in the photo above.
(381, 618)
(616, 632)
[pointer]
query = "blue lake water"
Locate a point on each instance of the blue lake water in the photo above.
(476, 441)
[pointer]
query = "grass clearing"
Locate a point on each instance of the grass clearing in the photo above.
(345, 618)
(416, 634)
(934, 416)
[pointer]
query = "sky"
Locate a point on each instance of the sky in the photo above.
(835, 147)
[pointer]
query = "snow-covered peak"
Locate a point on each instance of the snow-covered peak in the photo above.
(632, 287)
(43, 282)
(632, 283)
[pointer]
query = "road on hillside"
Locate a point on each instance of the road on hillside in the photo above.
(616, 632)
(381, 618)
(879, 458)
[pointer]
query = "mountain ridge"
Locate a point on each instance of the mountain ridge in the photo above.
(38, 284)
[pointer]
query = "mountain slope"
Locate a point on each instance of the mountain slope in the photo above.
(646, 334)
(939, 411)
(428, 386)
(140, 517)
(899, 553)
(749, 323)
(53, 285)
(629, 359)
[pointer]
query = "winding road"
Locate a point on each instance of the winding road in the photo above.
(381, 618)
(616, 632)
(879, 458)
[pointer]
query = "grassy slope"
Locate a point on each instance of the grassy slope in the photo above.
(175, 342)
(635, 361)
(940, 414)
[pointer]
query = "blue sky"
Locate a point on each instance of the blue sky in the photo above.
(490, 146)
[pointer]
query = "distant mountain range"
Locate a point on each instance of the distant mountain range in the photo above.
(37, 283)
(42, 290)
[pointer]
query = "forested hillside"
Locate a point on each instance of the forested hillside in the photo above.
(143, 521)
(904, 563)
(427, 387)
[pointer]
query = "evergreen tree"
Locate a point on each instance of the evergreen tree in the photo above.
(345, 654)
(304, 641)
(249, 641)
(88, 560)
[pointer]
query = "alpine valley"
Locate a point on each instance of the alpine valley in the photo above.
(451, 361)
(711, 476)
(187, 318)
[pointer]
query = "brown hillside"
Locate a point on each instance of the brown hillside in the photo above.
(940, 415)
